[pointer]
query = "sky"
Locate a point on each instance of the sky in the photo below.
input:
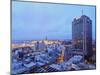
(35, 21)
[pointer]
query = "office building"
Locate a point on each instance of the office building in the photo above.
(82, 35)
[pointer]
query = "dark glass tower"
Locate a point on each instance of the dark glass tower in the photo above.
(82, 35)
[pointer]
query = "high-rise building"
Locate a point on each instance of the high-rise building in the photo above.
(37, 46)
(82, 35)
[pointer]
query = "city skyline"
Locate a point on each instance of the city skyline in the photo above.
(39, 20)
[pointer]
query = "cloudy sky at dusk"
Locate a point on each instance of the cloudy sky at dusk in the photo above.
(38, 20)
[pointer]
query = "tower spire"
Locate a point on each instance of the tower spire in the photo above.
(82, 11)
(46, 38)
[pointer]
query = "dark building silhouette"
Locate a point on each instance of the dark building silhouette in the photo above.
(82, 35)
(37, 45)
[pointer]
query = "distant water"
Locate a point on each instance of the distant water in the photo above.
(27, 41)
(20, 41)
(17, 41)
